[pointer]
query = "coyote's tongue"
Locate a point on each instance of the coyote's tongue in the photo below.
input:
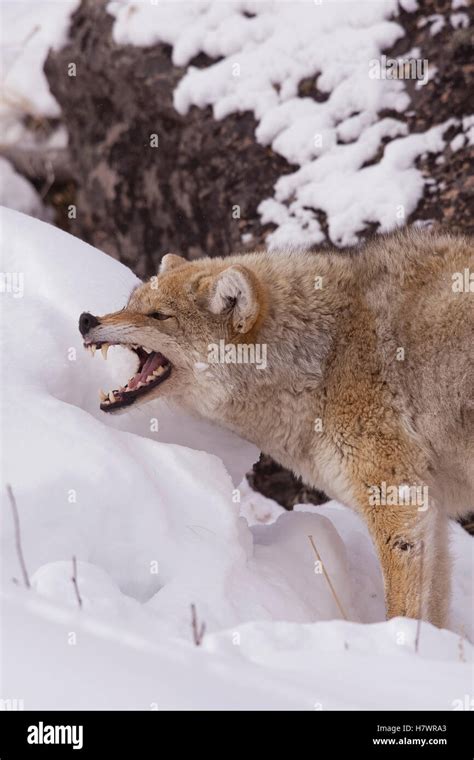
(153, 369)
(152, 363)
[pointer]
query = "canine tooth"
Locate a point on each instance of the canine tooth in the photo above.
(159, 371)
(93, 348)
(104, 348)
(102, 395)
(111, 397)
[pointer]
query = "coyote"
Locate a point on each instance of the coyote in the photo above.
(366, 392)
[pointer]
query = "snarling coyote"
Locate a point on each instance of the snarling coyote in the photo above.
(366, 391)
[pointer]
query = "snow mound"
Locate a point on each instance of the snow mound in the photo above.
(305, 655)
(152, 518)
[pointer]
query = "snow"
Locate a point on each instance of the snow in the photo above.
(438, 22)
(16, 192)
(260, 61)
(465, 137)
(457, 142)
(88, 665)
(155, 522)
(459, 20)
(30, 30)
(468, 126)
(410, 6)
(386, 192)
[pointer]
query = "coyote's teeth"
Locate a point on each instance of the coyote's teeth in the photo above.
(93, 348)
(159, 371)
(102, 395)
(140, 384)
(104, 348)
(150, 378)
(111, 397)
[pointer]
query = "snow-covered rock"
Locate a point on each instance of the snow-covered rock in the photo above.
(262, 51)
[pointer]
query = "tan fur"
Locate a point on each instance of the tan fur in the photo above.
(338, 403)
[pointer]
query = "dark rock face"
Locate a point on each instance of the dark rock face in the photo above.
(279, 484)
(149, 180)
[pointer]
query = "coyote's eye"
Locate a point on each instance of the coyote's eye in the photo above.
(159, 315)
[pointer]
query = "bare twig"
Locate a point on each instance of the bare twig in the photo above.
(420, 609)
(19, 551)
(198, 632)
(21, 47)
(333, 590)
(74, 582)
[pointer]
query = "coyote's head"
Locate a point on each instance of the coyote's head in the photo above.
(170, 322)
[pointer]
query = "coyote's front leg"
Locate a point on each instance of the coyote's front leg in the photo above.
(411, 543)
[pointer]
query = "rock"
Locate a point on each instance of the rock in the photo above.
(149, 180)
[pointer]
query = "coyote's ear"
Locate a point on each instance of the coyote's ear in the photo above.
(235, 292)
(171, 261)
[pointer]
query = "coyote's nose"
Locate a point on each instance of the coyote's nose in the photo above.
(87, 322)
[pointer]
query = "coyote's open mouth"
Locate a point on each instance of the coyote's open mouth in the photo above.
(153, 369)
